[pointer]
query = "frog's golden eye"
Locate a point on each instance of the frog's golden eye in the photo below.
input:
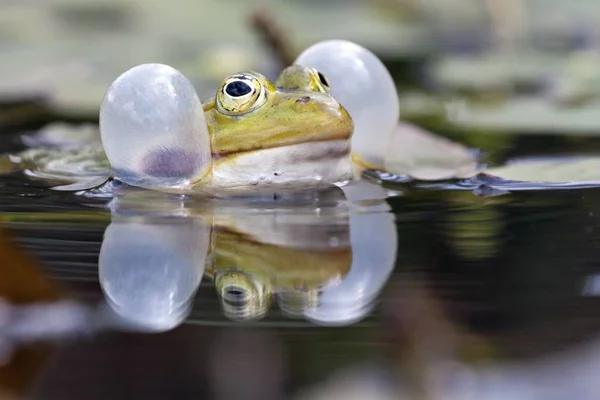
(323, 79)
(240, 94)
(320, 81)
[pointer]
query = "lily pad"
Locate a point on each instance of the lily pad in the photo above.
(60, 134)
(80, 94)
(48, 51)
(580, 170)
(532, 115)
(83, 184)
(73, 164)
(423, 155)
(495, 70)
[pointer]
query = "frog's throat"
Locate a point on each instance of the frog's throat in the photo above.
(310, 165)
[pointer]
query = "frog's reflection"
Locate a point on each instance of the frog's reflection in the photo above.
(320, 259)
(150, 270)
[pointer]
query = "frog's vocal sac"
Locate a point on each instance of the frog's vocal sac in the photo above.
(254, 135)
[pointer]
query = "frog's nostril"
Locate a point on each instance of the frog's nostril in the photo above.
(303, 99)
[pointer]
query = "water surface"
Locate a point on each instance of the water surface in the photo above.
(404, 293)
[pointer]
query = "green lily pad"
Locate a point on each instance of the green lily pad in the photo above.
(582, 170)
(532, 115)
(67, 164)
(423, 155)
(70, 51)
(81, 92)
(494, 70)
(60, 134)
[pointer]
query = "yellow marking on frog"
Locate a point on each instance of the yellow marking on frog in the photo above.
(269, 117)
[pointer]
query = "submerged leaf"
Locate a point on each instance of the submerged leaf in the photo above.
(426, 156)
(551, 170)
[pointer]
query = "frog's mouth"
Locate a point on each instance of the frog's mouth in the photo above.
(290, 156)
(299, 166)
(311, 150)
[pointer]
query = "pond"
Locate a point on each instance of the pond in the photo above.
(465, 266)
(372, 293)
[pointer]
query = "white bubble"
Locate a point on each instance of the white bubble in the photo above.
(364, 86)
(153, 128)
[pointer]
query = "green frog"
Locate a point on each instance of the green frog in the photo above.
(286, 135)
(294, 136)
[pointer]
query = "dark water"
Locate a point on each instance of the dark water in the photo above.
(444, 294)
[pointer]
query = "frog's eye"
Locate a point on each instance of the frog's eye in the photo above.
(240, 94)
(323, 79)
(320, 81)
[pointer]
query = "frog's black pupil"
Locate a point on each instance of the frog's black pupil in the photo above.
(323, 80)
(238, 88)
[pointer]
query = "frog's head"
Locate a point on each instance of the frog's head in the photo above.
(291, 134)
(254, 135)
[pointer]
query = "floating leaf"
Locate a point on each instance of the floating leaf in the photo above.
(494, 70)
(426, 156)
(75, 167)
(533, 115)
(60, 134)
(83, 184)
(81, 161)
(578, 80)
(551, 170)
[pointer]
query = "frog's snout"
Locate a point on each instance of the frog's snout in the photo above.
(323, 110)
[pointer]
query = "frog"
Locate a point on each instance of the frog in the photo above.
(265, 136)
(296, 137)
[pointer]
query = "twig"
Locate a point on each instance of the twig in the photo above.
(273, 36)
(508, 22)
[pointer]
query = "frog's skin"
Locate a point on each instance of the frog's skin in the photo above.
(297, 77)
(298, 138)
(287, 135)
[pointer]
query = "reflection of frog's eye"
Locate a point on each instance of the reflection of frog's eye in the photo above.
(240, 93)
(236, 296)
(242, 296)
